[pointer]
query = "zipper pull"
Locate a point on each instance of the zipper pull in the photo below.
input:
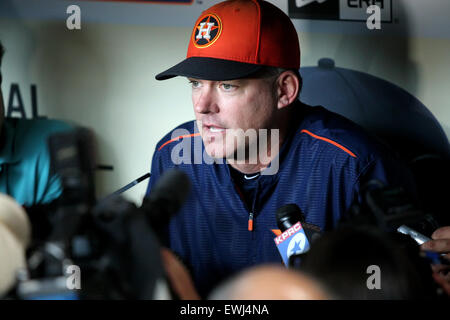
(250, 221)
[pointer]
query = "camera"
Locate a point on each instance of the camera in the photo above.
(88, 249)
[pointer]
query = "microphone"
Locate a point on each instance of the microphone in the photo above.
(15, 234)
(289, 214)
(132, 235)
(297, 233)
(165, 199)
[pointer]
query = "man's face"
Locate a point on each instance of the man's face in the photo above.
(224, 109)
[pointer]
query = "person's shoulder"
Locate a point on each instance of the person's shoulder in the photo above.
(339, 134)
(163, 157)
(187, 130)
(38, 128)
(31, 135)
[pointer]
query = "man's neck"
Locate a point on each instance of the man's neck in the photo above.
(274, 142)
(250, 166)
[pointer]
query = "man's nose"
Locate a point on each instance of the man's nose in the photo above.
(205, 102)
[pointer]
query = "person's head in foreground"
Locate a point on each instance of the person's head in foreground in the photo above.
(270, 282)
(367, 263)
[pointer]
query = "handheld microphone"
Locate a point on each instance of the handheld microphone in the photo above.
(123, 223)
(166, 199)
(291, 221)
(293, 240)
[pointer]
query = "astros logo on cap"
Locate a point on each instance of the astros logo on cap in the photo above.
(207, 31)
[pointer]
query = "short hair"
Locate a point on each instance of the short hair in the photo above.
(268, 72)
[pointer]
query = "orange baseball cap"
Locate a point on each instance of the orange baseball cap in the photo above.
(236, 38)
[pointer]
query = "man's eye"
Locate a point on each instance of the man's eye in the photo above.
(194, 84)
(228, 87)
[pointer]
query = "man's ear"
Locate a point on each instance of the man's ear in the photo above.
(288, 86)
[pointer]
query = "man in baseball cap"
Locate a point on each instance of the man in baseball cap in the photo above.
(254, 146)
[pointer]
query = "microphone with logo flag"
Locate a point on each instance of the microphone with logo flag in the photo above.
(296, 234)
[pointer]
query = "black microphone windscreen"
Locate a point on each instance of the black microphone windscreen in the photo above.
(166, 198)
(173, 185)
(288, 215)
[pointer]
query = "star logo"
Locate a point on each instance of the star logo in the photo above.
(296, 248)
(298, 244)
(207, 31)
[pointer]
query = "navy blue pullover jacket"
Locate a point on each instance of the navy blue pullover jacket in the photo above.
(323, 163)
